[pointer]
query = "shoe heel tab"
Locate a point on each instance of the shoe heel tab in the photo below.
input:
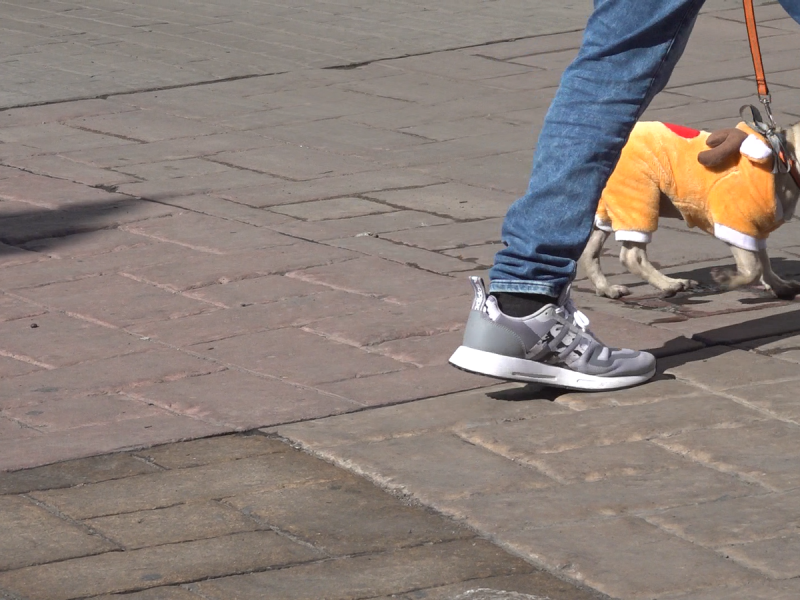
(480, 293)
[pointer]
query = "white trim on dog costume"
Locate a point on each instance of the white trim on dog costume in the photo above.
(602, 225)
(641, 237)
(738, 239)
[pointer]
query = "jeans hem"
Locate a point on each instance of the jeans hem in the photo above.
(525, 287)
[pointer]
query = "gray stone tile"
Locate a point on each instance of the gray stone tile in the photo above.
(32, 535)
(733, 520)
(627, 558)
(765, 452)
(369, 576)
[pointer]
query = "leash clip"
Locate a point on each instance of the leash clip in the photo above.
(783, 160)
(766, 100)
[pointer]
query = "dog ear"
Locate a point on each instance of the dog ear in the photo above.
(724, 143)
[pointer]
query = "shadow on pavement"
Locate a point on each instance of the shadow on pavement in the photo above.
(673, 354)
(787, 268)
(18, 228)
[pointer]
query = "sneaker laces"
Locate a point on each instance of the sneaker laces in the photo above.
(569, 311)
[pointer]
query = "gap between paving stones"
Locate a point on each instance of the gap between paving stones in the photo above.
(274, 518)
(399, 479)
(342, 67)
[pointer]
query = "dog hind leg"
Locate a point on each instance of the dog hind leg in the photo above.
(748, 269)
(782, 288)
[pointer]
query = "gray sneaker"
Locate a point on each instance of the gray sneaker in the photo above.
(552, 346)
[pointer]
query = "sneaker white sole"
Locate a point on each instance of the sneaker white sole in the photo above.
(521, 369)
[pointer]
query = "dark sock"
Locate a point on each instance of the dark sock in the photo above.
(521, 305)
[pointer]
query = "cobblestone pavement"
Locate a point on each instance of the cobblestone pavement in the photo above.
(241, 517)
(263, 216)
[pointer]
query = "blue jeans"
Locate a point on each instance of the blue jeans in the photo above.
(629, 50)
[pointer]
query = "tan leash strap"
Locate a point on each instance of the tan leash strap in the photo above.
(785, 162)
(755, 48)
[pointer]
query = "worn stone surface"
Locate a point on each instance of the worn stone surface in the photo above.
(251, 317)
(186, 195)
(363, 577)
(603, 426)
(765, 452)
(159, 593)
(780, 398)
(205, 451)
(257, 352)
(213, 481)
(90, 440)
(775, 557)
(285, 510)
(733, 520)
(434, 414)
(74, 472)
(659, 388)
(303, 512)
(159, 565)
(774, 590)
(509, 587)
(440, 465)
(389, 321)
(583, 501)
(646, 562)
(408, 384)
(246, 407)
(32, 535)
(723, 368)
(172, 525)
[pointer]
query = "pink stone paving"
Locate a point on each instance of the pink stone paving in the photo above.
(283, 248)
(244, 215)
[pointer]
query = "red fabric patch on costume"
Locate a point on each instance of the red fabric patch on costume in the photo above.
(684, 132)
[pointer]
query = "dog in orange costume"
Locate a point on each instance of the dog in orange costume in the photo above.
(721, 182)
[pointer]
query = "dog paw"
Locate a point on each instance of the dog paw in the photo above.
(784, 290)
(722, 276)
(614, 291)
(679, 285)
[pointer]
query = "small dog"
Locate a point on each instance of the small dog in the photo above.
(721, 182)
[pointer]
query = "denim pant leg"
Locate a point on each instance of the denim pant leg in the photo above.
(790, 6)
(628, 52)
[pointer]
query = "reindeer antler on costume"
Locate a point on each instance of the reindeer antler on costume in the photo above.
(724, 144)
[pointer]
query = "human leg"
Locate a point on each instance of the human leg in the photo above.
(792, 7)
(629, 50)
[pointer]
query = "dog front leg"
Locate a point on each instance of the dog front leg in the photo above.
(590, 259)
(634, 256)
(782, 288)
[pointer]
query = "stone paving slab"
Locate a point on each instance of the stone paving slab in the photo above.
(233, 516)
(644, 490)
(220, 217)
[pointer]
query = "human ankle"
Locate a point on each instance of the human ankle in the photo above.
(515, 304)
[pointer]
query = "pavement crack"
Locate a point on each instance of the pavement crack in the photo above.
(27, 359)
(249, 170)
(265, 524)
(75, 523)
(147, 460)
(710, 464)
(144, 90)
(159, 238)
(364, 63)
(108, 134)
